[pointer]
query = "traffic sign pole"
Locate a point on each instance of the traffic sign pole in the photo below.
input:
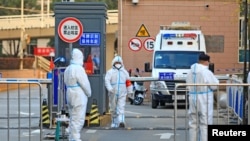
(70, 50)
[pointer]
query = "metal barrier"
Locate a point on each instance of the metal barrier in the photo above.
(235, 99)
(48, 96)
(221, 116)
(21, 111)
(57, 100)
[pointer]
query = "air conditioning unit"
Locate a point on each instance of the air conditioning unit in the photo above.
(68, 0)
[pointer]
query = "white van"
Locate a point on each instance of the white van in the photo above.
(177, 47)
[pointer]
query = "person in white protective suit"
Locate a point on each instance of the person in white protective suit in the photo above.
(248, 79)
(200, 98)
(115, 82)
(78, 91)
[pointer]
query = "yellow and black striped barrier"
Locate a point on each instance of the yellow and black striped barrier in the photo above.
(94, 117)
(45, 114)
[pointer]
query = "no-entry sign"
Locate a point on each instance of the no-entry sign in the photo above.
(135, 44)
(70, 29)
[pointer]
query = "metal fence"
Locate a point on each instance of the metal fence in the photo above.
(229, 93)
(21, 109)
(21, 116)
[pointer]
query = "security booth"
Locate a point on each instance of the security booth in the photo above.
(88, 19)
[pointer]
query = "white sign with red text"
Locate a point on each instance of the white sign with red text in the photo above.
(70, 29)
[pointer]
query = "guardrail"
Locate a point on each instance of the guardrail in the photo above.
(41, 21)
(144, 79)
(43, 63)
(41, 81)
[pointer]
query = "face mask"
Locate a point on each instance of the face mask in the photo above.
(118, 66)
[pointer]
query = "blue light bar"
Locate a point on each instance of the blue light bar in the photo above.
(167, 36)
(185, 35)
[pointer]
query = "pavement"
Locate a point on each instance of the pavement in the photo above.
(142, 123)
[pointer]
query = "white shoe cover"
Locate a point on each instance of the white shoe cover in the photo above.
(67, 130)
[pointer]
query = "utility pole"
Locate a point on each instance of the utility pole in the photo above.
(48, 7)
(42, 11)
(22, 35)
(245, 73)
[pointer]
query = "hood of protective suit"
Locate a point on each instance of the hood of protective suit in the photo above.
(77, 57)
(197, 68)
(117, 59)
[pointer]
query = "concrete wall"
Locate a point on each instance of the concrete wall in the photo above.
(25, 73)
(110, 50)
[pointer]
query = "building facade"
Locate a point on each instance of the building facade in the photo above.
(218, 19)
(41, 30)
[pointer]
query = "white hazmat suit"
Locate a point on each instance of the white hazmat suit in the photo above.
(248, 80)
(115, 82)
(200, 101)
(78, 91)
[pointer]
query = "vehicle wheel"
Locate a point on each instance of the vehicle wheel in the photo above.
(162, 103)
(183, 106)
(154, 103)
(138, 100)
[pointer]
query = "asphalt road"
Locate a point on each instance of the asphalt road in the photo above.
(142, 122)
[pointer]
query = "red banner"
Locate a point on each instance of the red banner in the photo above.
(44, 51)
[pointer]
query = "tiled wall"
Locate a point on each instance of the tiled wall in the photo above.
(220, 18)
